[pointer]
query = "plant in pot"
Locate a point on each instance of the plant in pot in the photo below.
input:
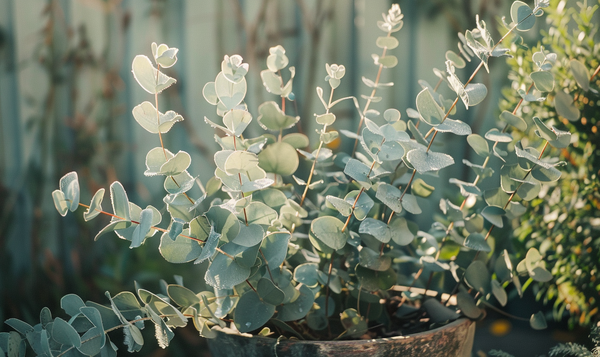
(339, 250)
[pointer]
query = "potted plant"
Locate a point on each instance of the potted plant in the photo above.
(341, 250)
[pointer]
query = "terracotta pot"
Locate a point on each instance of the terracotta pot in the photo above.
(454, 339)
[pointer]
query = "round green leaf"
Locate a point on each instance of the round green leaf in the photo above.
(240, 162)
(403, 232)
(177, 164)
(326, 119)
(296, 140)
(538, 321)
(237, 120)
(390, 196)
(64, 333)
(274, 248)
(467, 305)
(388, 42)
(563, 103)
(499, 292)
(371, 259)
(372, 280)
(479, 144)
(387, 61)
(544, 81)
(145, 114)
(180, 250)
(455, 127)
(494, 215)
(307, 274)
(299, 307)
(580, 73)
(279, 158)
(522, 16)
(119, 200)
(495, 135)
(328, 230)
(477, 276)
(145, 74)
(269, 292)
(476, 93)
(476, 241)
(230, 94)
(426, 161)
(95, 206)
(251, 312)
(545, 174)
(421, 188)
(363, 204)
(272, 118)
(210, 93)
(458, 61)
(430, 112)
(513, 120)
(409, 203)
(225, 273)
(60, 202)
(182, 296)
(69, 185)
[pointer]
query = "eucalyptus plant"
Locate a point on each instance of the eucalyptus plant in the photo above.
(334, 252)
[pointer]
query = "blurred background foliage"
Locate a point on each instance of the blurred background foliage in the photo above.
(66, 94)
(564, 222)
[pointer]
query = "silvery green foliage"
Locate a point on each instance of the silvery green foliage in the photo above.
(286, 245)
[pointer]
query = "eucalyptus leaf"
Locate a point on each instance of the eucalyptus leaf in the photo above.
(148, 77)
(476, 241)
(522, 15)
(251, 312)
(538, 321)
(494, 214)
(298, 308)
(95, 206)
(580, 73)
(477, 277)
(146, 115)
(180, 250)
(429, 111)
(513, 120)
(426, 161)
(544, 81)
(479, 144)
(230, 94)
(563, 103)
(271, 117)
(421, 188)
(279, 158)
(467, 305)
(328, 230)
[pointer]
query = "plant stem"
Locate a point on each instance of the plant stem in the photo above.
(595, 73)
(327, 288)
(503, 312)
(136, 222)
(368, 103)
(312, 169)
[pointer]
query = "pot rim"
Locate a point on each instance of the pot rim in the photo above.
(458, 322)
